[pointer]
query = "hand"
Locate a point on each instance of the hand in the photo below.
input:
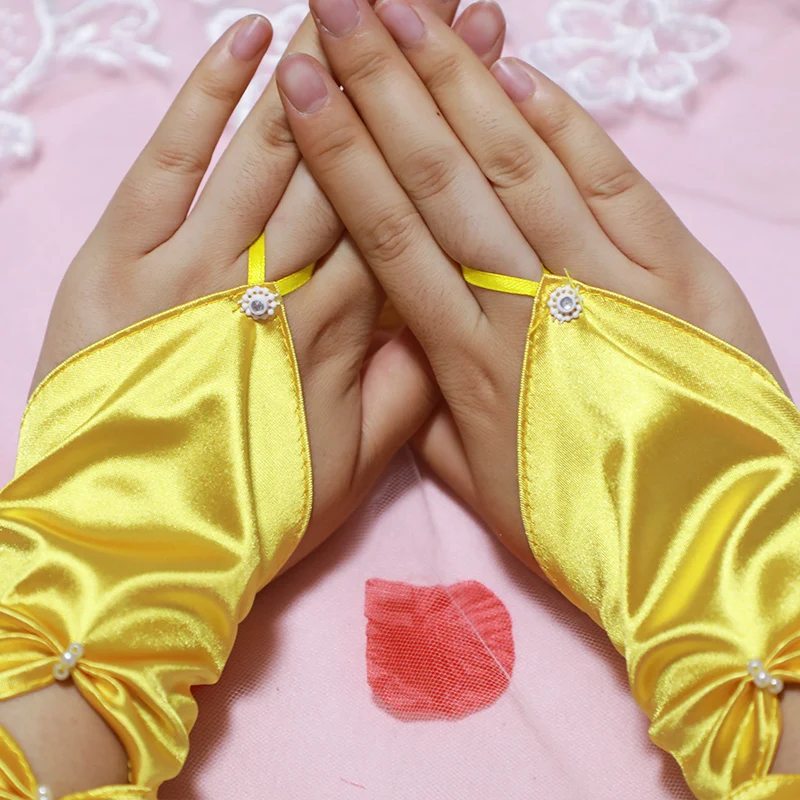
(149, 254)
(501, 174)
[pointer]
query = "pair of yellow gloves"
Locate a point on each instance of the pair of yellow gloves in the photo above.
(156, 493)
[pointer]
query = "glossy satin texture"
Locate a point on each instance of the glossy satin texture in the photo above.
(660, 484)
(163, 478)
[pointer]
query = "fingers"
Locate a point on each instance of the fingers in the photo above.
(632, 213)
(422, 151)
(440, 445)
(333, 318)
(399, 394)
(252, 175)
(444, 9)
(424, 285)
(303, 228)
(377, 406)
(438, 442)
(534, 187)
(483, 27)
(396, 396)
(247, 184)
(155, 197)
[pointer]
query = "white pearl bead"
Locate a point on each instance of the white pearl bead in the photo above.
(754, 667)
(775, 686)
(44, 793)
(76, 650)
(761, 679)
(68, 661)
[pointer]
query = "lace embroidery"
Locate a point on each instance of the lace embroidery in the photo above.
(610, 54)
(37, 36)
(285, 23)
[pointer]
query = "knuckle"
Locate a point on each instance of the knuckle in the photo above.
(213, 87)
(607, 182)
(511, 163)
(274, 131)
(483, 389)
(332, 149)
(558, 123)
(430, 172)
(178, 158)
(252, 193)
(366, 67)
(336, 341)
(391, 235)
(447, 73)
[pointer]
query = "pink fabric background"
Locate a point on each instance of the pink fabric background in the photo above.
(293, 716)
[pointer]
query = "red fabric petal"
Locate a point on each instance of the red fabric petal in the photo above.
(436, 652)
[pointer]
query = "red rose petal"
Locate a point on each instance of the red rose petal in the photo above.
(436, 652)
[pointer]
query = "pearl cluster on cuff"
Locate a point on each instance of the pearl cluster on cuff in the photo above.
(260, 303)
(565, 303)
(43, 793)
(68, 661)
(762, 678)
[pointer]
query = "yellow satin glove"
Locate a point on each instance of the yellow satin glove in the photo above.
(660, 483)
(164, 477)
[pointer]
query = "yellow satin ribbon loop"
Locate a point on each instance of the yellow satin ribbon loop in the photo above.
(257, 261)
(257, 270)
(499, 283)
(294, 281)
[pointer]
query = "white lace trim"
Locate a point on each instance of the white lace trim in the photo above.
(606, 53)
(610, 54)
(37, 36)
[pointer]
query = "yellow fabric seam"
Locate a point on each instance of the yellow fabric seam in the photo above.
(681, 324)
(522, 427)
(131, 329)
(300, 413)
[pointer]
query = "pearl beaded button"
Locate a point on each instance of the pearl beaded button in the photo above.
(68, 661)
(565, 304)
(762, 677)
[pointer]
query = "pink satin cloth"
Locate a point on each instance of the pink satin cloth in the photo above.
(294, 715)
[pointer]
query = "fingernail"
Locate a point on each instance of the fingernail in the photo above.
(483, 27)
(338, 17)
(514, 78)
(403, 23)
(251, 38)
(302, 84)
